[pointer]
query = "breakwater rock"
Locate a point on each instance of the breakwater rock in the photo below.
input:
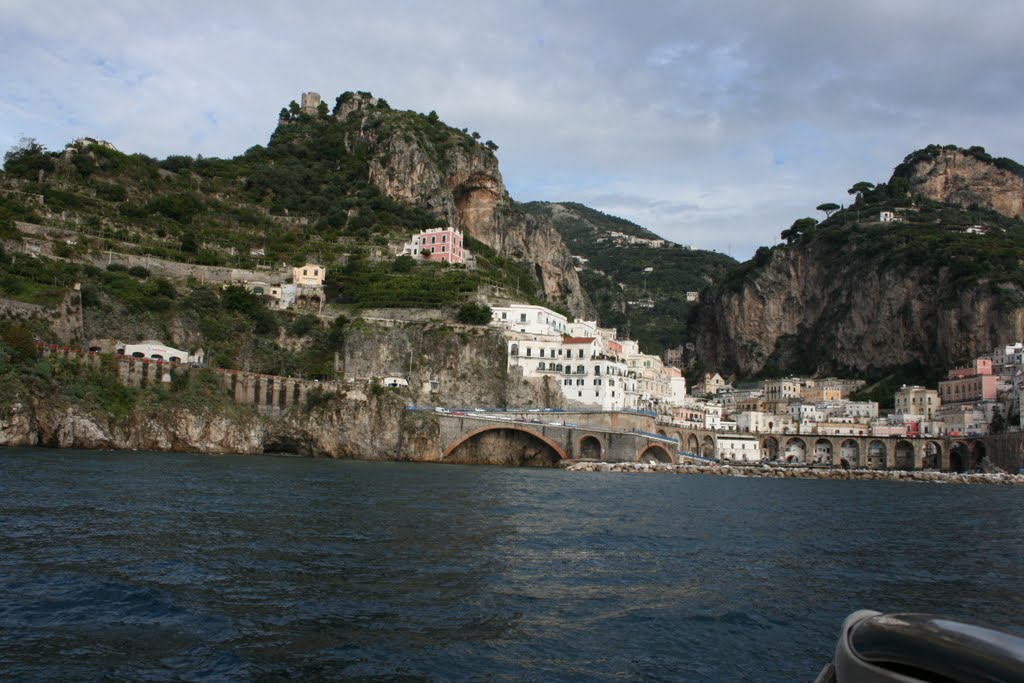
(801, 472)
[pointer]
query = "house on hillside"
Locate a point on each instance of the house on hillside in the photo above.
(437, 244)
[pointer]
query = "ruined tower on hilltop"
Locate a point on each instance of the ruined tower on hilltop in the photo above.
(310, 101)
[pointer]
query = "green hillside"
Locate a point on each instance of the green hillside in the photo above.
(616, 273)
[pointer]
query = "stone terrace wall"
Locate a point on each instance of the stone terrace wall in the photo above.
(247, 388)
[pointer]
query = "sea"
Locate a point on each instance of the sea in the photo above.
(166, 566)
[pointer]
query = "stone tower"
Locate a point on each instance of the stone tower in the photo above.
(310, 101)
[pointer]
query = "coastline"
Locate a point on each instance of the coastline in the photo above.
(802, 473)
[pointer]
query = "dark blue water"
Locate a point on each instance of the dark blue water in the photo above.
(147, 566)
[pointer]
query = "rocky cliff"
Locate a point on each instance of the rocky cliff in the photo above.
(821, 308)
(459, 181)
(965, 178)
(453, 366)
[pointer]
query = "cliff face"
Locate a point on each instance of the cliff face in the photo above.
(953, 176)
(462, 184)
(810, 309)
(462, 366)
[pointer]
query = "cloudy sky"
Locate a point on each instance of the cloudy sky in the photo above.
(713, 123)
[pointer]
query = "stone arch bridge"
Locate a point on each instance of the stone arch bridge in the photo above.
(856, 451)
(549, 440)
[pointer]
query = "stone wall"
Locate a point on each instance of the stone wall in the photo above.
(1006, 451)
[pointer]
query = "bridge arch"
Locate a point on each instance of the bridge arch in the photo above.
(876, 455)
(707, 447)
(654, 451)
(903, 455)
(692, 444)
(849, 454)
(510, 432)
(796, 451)
(770, 448)
(932, 456)
(823, 451)
(590, 447)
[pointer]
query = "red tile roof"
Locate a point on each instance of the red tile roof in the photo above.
(577, 340)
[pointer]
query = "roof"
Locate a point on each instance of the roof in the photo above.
(577, 340)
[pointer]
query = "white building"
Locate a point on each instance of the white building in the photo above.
(155, 350)
(529, 319)
(738, 448)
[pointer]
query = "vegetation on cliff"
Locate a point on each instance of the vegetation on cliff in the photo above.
(897, 285)
(616, 273)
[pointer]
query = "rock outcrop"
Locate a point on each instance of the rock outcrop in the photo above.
(813, 308)
(459, 181)
(955, 176)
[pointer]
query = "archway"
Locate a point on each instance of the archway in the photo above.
(707, 447)
(692, 444)
(849, 451)
(959, 457)
(661, 432)
(903, 455)
(876, 455)
(590, 448)
(655, 452)
(932, 456)
(977, 454)
(796, 451)
(822, 452)
(770, 448)
(504, 445)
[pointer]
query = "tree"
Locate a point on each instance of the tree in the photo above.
(473, 314)
(321, 109)
(800, 227)
(998, 424)
(860, 188)
(491, 146)
(27, 159)
(476, 136)
(828, 208)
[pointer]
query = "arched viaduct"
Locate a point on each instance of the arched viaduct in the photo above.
(567, 441)
(871, 452)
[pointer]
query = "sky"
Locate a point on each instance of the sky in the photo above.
(713, 123)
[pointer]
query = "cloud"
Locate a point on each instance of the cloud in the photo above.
(714, 124)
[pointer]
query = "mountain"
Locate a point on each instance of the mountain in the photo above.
(920, 273)
(336, 187)
(637, 280)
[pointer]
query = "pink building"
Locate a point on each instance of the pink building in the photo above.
(439, 244)
(969, 385)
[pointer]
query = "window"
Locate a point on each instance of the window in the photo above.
(542, 353)
(433, 240)
(611, 383)
(522, 317)
(580, 382)
(443, 248)
(304, 271)
(597, 382)
(444, 238)
(568, 382)
(528, 351)
(540, 366)
(580, 370)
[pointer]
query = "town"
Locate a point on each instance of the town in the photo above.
(597, 370)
